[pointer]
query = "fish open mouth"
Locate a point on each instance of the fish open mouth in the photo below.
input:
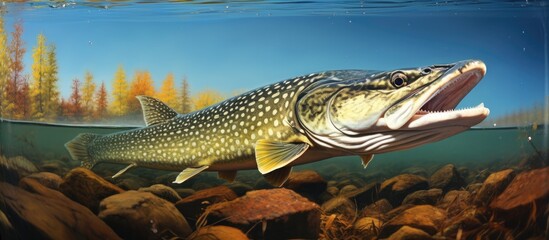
(433, 106)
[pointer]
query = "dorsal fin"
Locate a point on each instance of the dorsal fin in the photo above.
(155, 111)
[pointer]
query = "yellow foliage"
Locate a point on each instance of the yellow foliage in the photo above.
(119, 103)
(4, 66)
(38, 76)
(168, 93)
(142, 84)
(207, 98)
(88, 90)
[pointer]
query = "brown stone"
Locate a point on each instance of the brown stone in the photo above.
(347, 189)
(363, 196)
(525, 198)
(142, 215)
(163, 191)
(47, 179)
(396, 188)
(340, 205)
(87, 188)
(493, 186)
(409, 233)
(446, 178)
(282, 213)
(193, 206)
(218, 233)
(44, 213)
(424, 217)
(368, 226)
(14, 168)
(455, 201)
(377, 209)
(395, 212)
(131, 183)
(467, 220)
(420, 197)
(307, 183)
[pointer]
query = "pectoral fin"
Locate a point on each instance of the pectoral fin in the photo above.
(272, 155)
(188, 173)
(227, 175)
(124, 170)
(278, 177)
(366, 159)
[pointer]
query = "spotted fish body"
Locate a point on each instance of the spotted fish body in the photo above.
(295, 121)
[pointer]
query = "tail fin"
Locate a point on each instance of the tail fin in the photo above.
(78, 149)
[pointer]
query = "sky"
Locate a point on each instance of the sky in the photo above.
(241, 47)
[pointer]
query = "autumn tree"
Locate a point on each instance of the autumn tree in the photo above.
(207, 98)
(168, 92)
(142, 84)
(24, 101)
(88, 91)
(38, 80)
(4, 66)
(16, 51)
(185, 97)
(119, 104)
(51, 90)
(101, 102)
(75, 101)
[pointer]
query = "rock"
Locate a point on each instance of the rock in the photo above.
(142, 215)
(193, 206)
(239, 188)
(455, 201)
(163, 191)
(396, 188)
(420, 197)
(424, 217)
(347, 189)
(377, 209)
(363, 196)
(50, 180)
(334, 191)
(395, 212)
(185, 192)
(416, 171)
(525, 199)
(307, 183)
(493, 186)
(132, 183)
(218, 233)
(341, 206)
(57, 167)
(87, 188)
(467, 220)
(44, 213)
(409, 233)
(446, 178)
(282, 212)
(464, 173)
(14, 168)
(367, 226)
(473, 188)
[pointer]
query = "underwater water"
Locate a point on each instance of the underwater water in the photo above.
(72, 67)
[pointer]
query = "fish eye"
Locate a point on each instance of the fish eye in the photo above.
(426, 70)
(399, 79)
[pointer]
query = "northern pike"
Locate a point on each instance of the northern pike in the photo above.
(296, 121)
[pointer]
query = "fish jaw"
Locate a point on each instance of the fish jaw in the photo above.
(433, 106)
